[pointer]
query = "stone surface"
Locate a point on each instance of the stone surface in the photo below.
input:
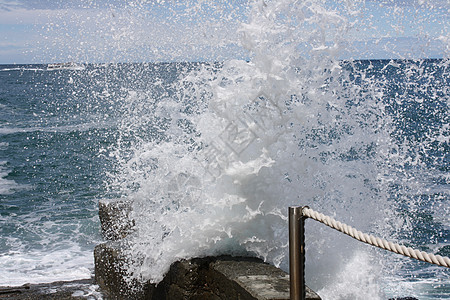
(260, 280)
(62, 290)
(114, 218)
(216, 278)
(266, 287)
(110, 273)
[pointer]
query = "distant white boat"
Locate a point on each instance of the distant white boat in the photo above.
(65, 66)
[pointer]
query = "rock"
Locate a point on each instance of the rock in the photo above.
(111, 275)
(186, 280)
(250, 278)
(114, 218)
(61, 290)
(211, 278)
(215, 278)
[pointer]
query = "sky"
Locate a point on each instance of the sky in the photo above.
(46, 31)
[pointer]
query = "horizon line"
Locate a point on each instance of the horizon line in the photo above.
(206, 61)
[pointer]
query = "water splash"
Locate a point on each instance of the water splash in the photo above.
(211, 160)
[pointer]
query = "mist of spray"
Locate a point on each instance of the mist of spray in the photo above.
(212, 163)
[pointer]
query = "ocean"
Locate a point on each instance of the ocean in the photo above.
(70, 138)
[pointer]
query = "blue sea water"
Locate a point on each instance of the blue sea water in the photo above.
(57, 128)
(66, 134)
(52, 175)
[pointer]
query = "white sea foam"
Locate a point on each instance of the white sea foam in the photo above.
(4, 145)
(7, 186)
(21, 69)
(64, 264)
(86, 126)
(357, 279)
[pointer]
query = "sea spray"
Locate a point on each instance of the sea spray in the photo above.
(241, 141)
(212, 160)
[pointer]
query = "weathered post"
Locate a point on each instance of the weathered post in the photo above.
(297, 253)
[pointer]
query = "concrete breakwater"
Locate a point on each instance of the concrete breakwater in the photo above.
(222, 277)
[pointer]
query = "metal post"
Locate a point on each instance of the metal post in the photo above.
(297, 253)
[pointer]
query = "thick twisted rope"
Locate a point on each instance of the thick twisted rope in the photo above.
(375, 241)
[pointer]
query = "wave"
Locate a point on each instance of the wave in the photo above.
(8, 186)
(60, 129)
(67, 264)
(21, 69)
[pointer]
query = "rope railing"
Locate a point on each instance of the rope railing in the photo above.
(375, 241)
(297, 216)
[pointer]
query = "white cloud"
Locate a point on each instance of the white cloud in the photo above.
(136, 35)
(114, 31)
(433, 3)
(26, 16)
(7, 5)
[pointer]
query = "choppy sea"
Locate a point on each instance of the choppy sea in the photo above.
(71, 137)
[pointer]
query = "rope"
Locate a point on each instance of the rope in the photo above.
(375, 241)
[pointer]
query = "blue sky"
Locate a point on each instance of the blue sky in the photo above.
(44, 31)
